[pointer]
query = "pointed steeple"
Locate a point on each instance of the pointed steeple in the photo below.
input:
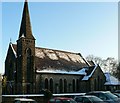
(25, 28)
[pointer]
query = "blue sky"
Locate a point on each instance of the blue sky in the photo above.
(82, 27)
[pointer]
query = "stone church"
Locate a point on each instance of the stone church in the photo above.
(29, 69)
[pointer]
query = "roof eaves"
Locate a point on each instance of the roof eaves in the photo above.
(60, 72)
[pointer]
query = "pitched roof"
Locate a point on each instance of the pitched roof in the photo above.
(111, 80)
(55, 59)
(90, 71)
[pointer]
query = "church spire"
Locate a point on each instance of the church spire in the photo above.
(25, 28)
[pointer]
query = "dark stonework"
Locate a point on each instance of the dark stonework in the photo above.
(28, 68)
(25, 56)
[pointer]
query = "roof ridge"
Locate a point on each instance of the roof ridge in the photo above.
(53, 50)
(58, 50)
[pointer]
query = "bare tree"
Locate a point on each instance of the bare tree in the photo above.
(117, 71)
(107, 65)
(95, 59)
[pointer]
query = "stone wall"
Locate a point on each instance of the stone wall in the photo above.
(40, 80)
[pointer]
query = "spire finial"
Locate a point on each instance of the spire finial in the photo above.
(10, 40)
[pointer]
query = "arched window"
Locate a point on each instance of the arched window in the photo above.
(61, 85)
(73, 83)
(46, 83)
(101, 84)
(29, 69)
(65, 86)
(98, 83)
(28, 88)
(95, 88)
(77, 85)
(51, 85)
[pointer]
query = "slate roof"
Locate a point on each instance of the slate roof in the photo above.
(49, 59)
(111, 80)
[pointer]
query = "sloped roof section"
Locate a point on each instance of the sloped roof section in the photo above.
(111, 80)
(56, 59)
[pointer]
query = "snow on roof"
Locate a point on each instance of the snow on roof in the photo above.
(51, 54)
(76, 58)
(42, 53)
(80, 72)
(111, 80)
(56, 54)
(63, 55)
(39, 53)
(23, 35)
(86, 77)
(13, 50)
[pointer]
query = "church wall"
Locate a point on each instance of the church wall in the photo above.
(85, 86)
(10, 65)
(97, 80)
(61, 83)
(94, 83)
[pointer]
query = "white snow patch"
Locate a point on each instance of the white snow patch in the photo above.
(51, 54)
(111, 80)
(39, 53)
(63, 56)
(23, 35)
(80, 72)
(76, 58)
(13, 50)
